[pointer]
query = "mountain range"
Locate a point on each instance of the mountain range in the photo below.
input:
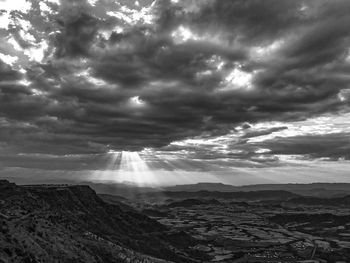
(324, 190)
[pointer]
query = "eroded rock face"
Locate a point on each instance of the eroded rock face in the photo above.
(72, 224)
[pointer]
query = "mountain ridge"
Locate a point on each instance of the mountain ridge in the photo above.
(312, 189)
(72, 224)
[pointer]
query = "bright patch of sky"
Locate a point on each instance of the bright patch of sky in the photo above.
(344, 95)
(136, 101)
(44, 7)
(134, 16)
(7, 6)
(37, 53)
(86, 74)
(264, 52)
(238, 78)
(18, 5)
(92, 2)
(183, 34)
(54, 1)
(35, 50)
(327, 124)
(8, 59)
(218, 145)
(25, 83)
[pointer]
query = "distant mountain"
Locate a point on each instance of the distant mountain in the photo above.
(125, 190)
(313, 189)
(64, 223)
(250, 196)
(132, 191)
(203, 187)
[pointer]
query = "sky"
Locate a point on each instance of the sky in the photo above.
(160, 92)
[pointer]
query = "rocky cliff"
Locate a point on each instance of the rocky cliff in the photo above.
(64, 223)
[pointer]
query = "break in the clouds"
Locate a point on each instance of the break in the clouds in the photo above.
(215, 83)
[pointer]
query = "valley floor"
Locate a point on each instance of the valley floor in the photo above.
(263, 232)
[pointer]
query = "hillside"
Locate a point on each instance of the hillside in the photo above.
(72, 224)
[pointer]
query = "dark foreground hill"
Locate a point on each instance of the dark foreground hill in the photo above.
(72, 224)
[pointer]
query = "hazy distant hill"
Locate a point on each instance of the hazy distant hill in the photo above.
(51, 223)
(121, 189)
(203, 187)
(314, 189)
(132, 191)
(251, 196)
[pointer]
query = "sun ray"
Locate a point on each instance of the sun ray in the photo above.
(135, 170)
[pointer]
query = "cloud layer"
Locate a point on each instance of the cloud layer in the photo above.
(86, 77)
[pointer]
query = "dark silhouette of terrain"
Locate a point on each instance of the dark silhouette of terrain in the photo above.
(304, 200)
(192, 202)
(311, 218)
(64, 223)
(71, 223)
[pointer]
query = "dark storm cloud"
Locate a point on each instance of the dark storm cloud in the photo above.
(54, 162)
(121, 76)
(77, 36)
(7, 73)
(253, 22)
(332, 146)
